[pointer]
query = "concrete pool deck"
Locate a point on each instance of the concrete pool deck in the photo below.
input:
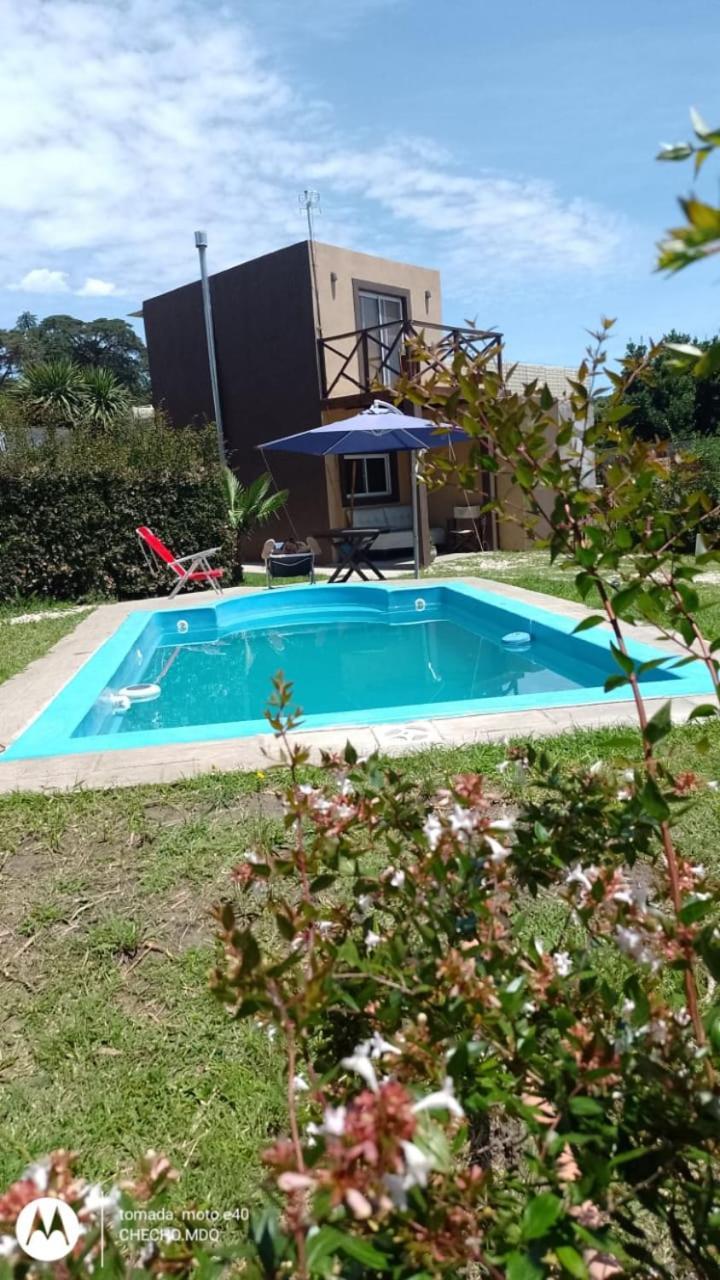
(24, 696)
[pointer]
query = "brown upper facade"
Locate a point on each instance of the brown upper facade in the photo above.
(302, 335)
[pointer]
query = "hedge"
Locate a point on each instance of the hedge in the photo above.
(69, 509)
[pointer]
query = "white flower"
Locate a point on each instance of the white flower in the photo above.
(498, 852)
(596, 767)
(713, 786)
(502, 824)
(443, 1100)
(635, 945)
(461, 821)
(628, 775)
(300, 1084)
(503, 767)
(623, 794)
(364, 903)
(699, 871)
(8, 1245)
(334, 1121)
(397, 879)
(628, 1008)
(347, 788)
(271, 1032)
(629, 940)
(417, 1166)
(657, 1030)
(39, 1173)
(343, 812)
(563, 963)
(360, 1062)
(372, 939)
(433, 830)
(306, 789)
(324, 927)
(394, 1184)
(576, 875)
(102, 1203)
(682, 1017)
(252, 857)
(376, 1046)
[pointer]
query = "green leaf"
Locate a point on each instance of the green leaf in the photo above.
(362, 1251)
(707, 709)
(654, 802)
(521, 1267)
(571, 1261)
(582, 1106)
(614, 682)
(694, 909)
(623, 660)
(539, 1215)
(660, 724)
(594, 620)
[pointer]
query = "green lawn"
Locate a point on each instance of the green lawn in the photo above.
(109, 1039)
(22, 642)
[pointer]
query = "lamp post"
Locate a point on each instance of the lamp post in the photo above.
(201, 246)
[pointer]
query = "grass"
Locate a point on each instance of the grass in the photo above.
(21, 643)
(110, 1041)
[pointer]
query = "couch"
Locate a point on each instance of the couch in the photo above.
(395, 525)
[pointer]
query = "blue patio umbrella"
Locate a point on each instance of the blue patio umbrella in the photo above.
(382, 428)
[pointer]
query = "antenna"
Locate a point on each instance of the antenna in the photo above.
(309, 200)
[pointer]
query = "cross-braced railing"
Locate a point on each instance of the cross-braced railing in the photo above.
(383, 353)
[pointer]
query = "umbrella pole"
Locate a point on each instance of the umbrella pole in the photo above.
(415, 504)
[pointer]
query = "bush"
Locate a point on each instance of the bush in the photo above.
(69, 508)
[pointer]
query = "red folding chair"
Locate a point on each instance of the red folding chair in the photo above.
(187, 569)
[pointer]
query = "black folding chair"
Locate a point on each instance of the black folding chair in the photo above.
(289, 564)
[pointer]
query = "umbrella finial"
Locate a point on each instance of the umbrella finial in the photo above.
(382, 406)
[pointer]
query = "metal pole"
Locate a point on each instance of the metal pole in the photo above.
(201, 245)
(416, 529)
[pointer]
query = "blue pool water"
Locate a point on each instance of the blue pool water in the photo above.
(354, 654)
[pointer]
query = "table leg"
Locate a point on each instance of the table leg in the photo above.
(366, 560)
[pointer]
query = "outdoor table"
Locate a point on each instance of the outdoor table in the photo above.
(353, 546)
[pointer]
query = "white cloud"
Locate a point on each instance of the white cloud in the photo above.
(95, 288)
(43, 280)
(136, 121)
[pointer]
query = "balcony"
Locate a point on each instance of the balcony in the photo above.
(353, 364)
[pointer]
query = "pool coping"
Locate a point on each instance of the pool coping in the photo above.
(25, 695)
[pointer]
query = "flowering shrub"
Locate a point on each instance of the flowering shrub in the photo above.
(458, 1088)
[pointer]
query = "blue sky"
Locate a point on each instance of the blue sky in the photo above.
(511, 145)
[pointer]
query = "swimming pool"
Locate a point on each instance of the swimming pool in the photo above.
(355, 654)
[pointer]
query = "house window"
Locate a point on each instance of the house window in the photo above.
(369, 477)
(382, 315)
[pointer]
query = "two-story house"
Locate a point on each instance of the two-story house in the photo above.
(302, 337)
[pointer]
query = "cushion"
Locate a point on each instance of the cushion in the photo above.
(369, 518)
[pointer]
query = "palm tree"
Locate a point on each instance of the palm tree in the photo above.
(51, 393)
(248, 506)
(105, 400)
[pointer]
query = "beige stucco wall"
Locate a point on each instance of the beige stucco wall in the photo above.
(336, 297)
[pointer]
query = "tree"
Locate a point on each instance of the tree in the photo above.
(105, 399)
(88, 344)
(670, 402)
(18, 347)
(51, 393)
(248, 507)
(59, 393)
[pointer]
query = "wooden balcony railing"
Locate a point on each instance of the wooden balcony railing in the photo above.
(352, 364)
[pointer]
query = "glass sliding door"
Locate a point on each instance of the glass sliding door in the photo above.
(382, 314)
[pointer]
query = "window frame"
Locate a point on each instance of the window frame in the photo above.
(375, 499)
